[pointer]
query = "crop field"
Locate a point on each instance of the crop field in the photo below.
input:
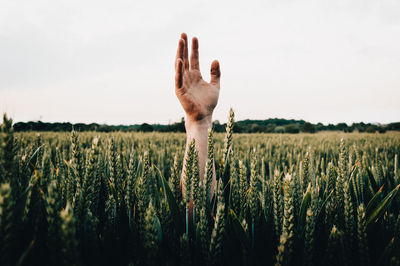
(115, 199)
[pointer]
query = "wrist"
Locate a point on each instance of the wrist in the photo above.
(198, 125)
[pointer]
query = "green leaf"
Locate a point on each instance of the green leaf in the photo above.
(33, 158)
(384, 258)
(238, 228)
(159, 229)
(372, 181)
(383, 205)
(243, 238)
(173, 206)
(227, 169)
(303, 208)
(113, 191)
(324, 203)
(374, 201)
(25, 253)
(138, 174)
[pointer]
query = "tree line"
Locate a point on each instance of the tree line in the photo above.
(273, 125)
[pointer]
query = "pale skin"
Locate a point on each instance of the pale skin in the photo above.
(197, 96)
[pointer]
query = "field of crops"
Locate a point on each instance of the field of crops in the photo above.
(114, 199)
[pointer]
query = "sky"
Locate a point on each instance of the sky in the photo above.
(113, 61)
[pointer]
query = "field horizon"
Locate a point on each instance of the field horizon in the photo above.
(271, 125)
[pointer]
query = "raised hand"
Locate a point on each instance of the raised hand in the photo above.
(198, 97)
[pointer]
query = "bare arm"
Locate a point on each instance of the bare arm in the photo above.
(198, 97)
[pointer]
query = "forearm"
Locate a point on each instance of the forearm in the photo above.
(198, 130)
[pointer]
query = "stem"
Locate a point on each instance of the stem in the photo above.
(130, 219)
(194, 221)
(187, 221)
(115, 217)
(252, 233)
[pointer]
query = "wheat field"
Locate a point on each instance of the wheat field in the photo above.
(115, 199)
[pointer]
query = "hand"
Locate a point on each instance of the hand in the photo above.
(198, 97)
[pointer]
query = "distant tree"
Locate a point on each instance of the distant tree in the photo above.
(279, 129)
(181, 125)
(217, 127)
(348, 129)
(341, 126)
(308, 128)
(270, 128)
(255, 128)
(371, 129)
(382, 129)
(292, 128)
(175, 127)
(319, 127)
(243, 126)
(331, 127)
(393, 126)
(361, 127)
(240, 128)
(146, 128)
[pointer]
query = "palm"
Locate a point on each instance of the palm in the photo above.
(198, 97)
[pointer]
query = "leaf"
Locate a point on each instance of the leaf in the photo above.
(33, 157)
(324, 203)
(138, 174)
(113, 191)
(372, 180)
(378, 211)
(26, 252)
(384, 258)
(303, 208)
(159, 229)
(374, 200)
(243, 238)
(226, 167)
(232, 250)
(238, 228)
(173, 206)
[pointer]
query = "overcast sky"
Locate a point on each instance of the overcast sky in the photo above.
(113, 61)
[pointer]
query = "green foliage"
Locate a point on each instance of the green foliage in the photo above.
(196, 189)
(309, 238)
(116, 199)
(219, 228)
(68, 237)
(7, 151)
(209, 165)
(187, 181)
(174, 180)
(6, 221)
(243, 186)
(278, 203)
(286, 247)
(362, 236)
(151, 233)
(228, 136)
(253, 195)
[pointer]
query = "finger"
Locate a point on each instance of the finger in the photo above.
(215, 73)
(180, 52)
(186, 51)
(178, 74)
(194, 57)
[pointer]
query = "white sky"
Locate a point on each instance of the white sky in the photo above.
(112, 61)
